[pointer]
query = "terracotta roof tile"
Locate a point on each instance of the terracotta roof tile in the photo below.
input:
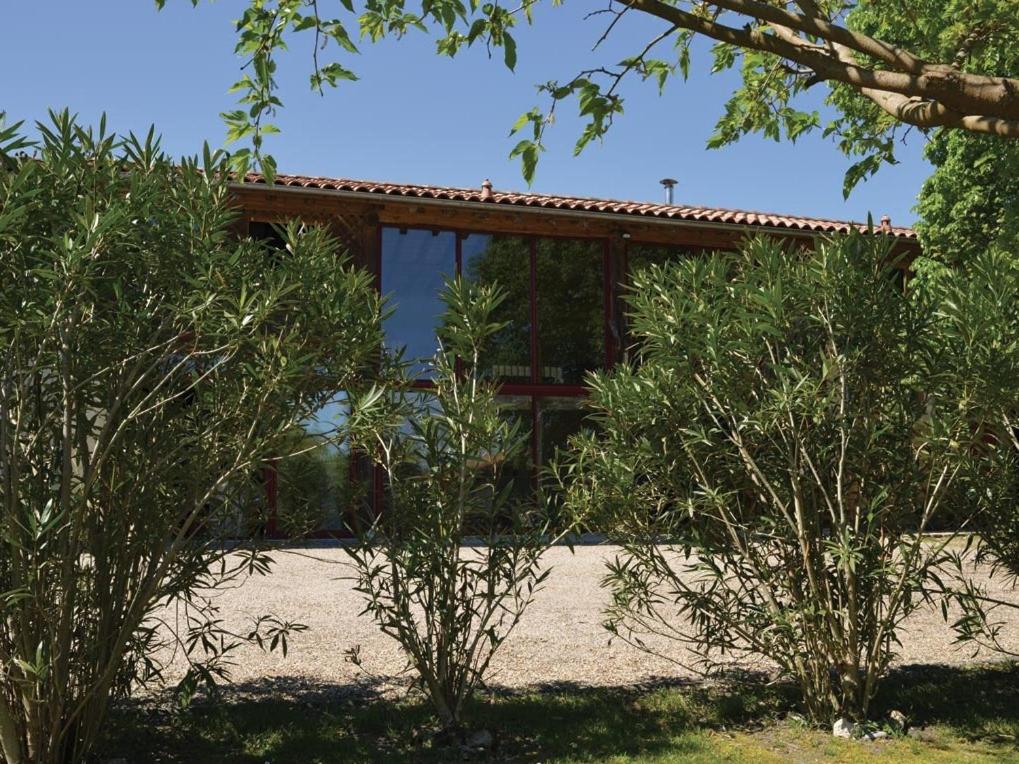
(677, 212)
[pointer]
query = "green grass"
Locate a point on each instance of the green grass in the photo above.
(970, 715)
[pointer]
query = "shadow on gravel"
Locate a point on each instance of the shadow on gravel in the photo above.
(289, 720)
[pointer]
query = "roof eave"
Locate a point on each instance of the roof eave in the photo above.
(615, 216)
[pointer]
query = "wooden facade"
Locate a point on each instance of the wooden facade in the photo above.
(355, 217)
(545, 392)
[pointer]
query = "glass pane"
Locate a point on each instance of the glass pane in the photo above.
(313, 477)
(558, 419)
(420, 404)
(495, 469)
(505, 471)
(518, 471)
(415, 266)
(506, 260)
(571, 309)
(639, 257)
(642, 255)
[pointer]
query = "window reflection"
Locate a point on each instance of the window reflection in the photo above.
(504, 474)
(571, 309)
(506, 260)
(558, 344)
(517, 472)
(558, 419)
(313, 475)
(419, 404)
(497, 463)
(495, 470)
(416, 264)
(639, 256)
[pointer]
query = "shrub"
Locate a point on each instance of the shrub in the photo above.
(978, 320)
(772, 462)
(449, 565)
(151, 363)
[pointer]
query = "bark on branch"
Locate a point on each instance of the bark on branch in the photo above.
(901, 83)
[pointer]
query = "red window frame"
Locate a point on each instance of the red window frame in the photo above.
(534, 390)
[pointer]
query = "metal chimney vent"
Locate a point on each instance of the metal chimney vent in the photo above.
(669, 183)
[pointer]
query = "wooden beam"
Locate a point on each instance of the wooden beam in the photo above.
(259, 202)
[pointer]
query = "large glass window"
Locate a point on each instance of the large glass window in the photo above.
(507, 261)
(311, 473)
(554, 329)
(415, 265)
(639, 256)
(313, 476)
(519, 470)
(497, 469)
(553, 314)
(570, 297)
(554, 333)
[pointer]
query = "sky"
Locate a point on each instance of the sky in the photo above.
(415, 117)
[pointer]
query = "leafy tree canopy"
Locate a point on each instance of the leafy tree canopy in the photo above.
(926, 63)
(970, 204)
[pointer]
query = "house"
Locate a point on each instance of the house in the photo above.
(561, 260)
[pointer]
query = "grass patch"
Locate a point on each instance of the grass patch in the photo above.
(969, 715)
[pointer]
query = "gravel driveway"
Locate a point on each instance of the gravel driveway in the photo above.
(559, 641)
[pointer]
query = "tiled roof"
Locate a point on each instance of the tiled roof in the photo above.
(484, 195)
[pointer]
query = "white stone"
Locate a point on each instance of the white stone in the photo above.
(843, 727)
(899, 720)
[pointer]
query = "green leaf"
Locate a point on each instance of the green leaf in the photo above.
(528, 151)
(509, 50)
(268, 167)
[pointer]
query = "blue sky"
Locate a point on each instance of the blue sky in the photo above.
(416, 117)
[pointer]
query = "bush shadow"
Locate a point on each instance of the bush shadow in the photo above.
(978, 701)
(291, 720)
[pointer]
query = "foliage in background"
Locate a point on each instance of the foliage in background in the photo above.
(772, 462)
(451, 562)
(978, 312)
(887, 64)
(313, 484)
(971, 202)
(151, 362)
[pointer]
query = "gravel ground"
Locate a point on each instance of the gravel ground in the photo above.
(560, 640)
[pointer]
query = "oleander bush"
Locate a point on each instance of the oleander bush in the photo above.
(451, 562)
(151, 362)
(771, 462)
(978, 315)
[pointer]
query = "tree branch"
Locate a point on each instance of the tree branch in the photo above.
(921, 94)
(814, 24)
